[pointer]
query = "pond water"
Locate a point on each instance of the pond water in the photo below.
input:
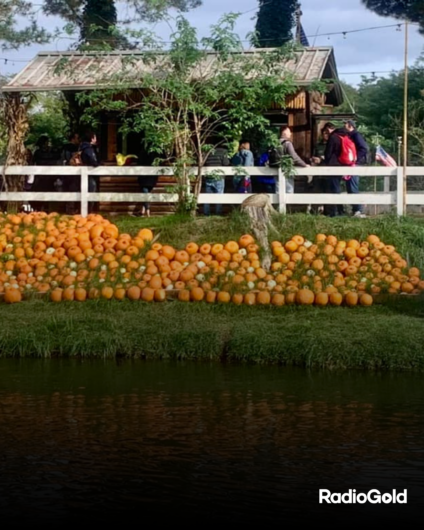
(82, 440)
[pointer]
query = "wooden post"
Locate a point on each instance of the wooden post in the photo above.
(282, 207)
(84, 191)
(260, 211)
(405, 122)
(400, 199)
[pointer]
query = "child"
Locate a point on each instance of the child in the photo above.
(244, 158)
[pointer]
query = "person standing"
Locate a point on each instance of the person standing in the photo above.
(336, 150)
(267, 184)
(218, 157)
(319, 183)
(362, 149)
(43, 156)
(89, 157)
(286, 149)
(243, 158)
(69, 150)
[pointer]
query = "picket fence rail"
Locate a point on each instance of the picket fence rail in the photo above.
(393, 199)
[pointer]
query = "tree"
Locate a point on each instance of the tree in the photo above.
(412, 10)
(12, 36)
(47, 115)
(190, 101)
(276, 19)
(97, 20)
(378, 102)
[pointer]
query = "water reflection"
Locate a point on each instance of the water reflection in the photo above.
(231, 444)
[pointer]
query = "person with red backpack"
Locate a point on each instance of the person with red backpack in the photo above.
(340, 151)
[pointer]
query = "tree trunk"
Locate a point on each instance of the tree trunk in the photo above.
(16, 119)
(260, 212)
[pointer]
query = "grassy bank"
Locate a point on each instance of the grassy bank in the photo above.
(386, 337)
(389, 336)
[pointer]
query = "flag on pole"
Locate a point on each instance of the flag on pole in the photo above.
(384, 158)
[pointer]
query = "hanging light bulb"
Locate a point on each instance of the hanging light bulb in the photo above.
(344, 34)
(399, 27)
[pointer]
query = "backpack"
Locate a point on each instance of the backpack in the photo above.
(76, 159)
(236, 160)
(275, 155)
(348, 154)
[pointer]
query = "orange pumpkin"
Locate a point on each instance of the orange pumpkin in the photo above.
(351, 299)
(263, 298)
(184, 295)
(211, 297)
(12, 296)
(148, 294)
(250, 299)
(305, 297)
(145, 234)
(336, 299)
(134, 292)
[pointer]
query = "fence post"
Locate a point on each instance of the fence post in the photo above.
(282, 191)
(84, 191)
(400, 192)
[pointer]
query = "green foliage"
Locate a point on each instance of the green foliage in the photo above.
(276, 19)
(351, 99)
(47, 116)
(411, 10)
(154, 10)
(190, 98)
(97, 19)
(378, 103)
(12, 35)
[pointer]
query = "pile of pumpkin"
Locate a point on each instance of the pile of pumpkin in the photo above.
(76, 258)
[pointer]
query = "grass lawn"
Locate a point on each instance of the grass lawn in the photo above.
(380, 337)
(389, 336)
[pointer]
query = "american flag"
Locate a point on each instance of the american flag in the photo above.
(384, 158)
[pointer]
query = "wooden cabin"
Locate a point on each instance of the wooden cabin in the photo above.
(303, 111)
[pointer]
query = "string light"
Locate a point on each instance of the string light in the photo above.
(328, 35)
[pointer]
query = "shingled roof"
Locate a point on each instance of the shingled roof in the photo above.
(84, 71)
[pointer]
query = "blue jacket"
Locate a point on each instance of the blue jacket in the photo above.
(243, 158)
(88, 154)
(361, 147)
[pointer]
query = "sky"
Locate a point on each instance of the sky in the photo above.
(378, 50)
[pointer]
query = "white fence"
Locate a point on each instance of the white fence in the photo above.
(388, 198)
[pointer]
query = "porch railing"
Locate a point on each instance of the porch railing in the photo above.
(397, 199)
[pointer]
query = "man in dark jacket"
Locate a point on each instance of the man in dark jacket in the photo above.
(89, 158)
(70, 148)
(218, 157)
(352, 184)
(332, 154)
